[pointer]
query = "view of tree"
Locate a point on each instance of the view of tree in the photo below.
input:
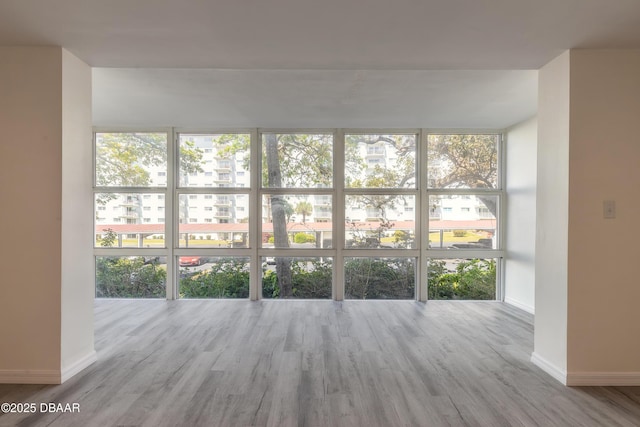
(304, 208)
(124, 159)
(305, 161)
(299, 161)
(399, 171)
(464, 161)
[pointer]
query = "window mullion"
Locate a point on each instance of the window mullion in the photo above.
(338, 214)
(255, 222)
(170, 208)
(423, 216)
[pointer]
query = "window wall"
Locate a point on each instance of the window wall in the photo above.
(307, 214)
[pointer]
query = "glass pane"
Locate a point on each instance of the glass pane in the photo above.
(131, 277)
(296, 221)
(297, 160)
(300, 277)
(129, 220)
(463, 161)
(380, 161)
(217, 160)
(462, 279)
(380, 221)
(213, 220)
(131, 159)
(213, 277)
(462, 221)
(379, 278)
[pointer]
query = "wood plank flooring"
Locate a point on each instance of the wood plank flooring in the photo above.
(318, 363)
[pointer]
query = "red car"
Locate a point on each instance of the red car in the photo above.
(186, 261)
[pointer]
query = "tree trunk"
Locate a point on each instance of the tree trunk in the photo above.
(278, 216)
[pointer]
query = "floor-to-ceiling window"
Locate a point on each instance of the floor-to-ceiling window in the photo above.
(464, 198)
(309, 214)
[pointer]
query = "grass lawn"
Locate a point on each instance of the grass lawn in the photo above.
(448, 236)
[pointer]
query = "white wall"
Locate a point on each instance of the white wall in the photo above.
(36, 218)
(31, 176)
(521, 153)
(552, 211)
(77, 213)
(604, 279)
(587, 324)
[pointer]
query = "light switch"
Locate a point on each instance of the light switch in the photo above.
(609, 209)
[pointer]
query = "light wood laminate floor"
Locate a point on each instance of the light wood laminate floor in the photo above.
(318, 363)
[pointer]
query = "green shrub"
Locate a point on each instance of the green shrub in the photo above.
(227, 278)
(459, 233)
(367, 278)
(270, 288)
(471, 280)
(129, 278)
(311, 279)
(304, 238)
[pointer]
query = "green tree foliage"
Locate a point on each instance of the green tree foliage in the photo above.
(464, 161)
(304, 208)
(129, 278)
(109, 239)
(361, 238)
(300, 160)
(226, 278)
(473, 279)
(369, 278)
(228, 145)
(311, 279)
(399, 174)
(124, 159)
(402, 239)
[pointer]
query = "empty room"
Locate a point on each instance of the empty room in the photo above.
(298, 213)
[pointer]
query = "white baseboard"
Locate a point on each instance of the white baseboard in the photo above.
(29, 376)
(603, 378)
(77, 366)
(549, 368)
(527, 308)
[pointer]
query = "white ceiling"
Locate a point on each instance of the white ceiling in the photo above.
(321, 63)
(313, 98)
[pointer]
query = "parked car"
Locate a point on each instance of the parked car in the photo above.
(187, 261)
